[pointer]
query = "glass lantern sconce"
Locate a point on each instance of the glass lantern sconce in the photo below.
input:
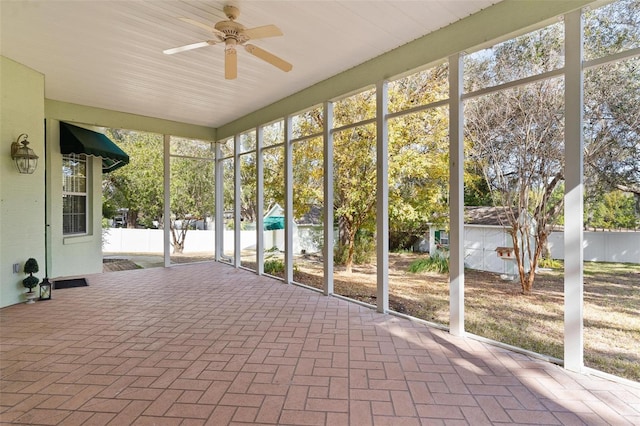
(26, 160)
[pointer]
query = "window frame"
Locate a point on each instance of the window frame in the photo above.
(81, 158)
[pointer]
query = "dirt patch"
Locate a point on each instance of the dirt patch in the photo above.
(112, 265)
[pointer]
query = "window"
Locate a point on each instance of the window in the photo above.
(74, 194)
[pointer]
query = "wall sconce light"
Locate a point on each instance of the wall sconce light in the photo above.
(26, 160)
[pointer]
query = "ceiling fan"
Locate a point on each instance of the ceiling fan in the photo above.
(232, 34)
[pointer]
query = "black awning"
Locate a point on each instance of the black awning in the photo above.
(77, 140)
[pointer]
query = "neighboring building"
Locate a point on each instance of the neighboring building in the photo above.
(485, 229)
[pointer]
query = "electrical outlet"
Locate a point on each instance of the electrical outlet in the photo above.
(16, 268)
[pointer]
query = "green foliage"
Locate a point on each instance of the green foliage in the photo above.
(364, 249)
(418, 153)
(137, 186)
(109, 208)
(30, 282)
(105, 231)
(273, 266)
(437, 263)
(550, 263)
(476, 187)
(31, 266)
(611, 116)
(613, 210)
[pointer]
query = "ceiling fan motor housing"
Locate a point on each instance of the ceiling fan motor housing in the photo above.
(232, 30)
(232, 12)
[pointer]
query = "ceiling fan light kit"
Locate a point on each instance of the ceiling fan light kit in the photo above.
(232, 34)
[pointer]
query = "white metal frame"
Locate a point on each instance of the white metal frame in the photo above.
(288, 201)
(166, 208)
(456, 197)
(259, 201)
(574, 196)
(219, 202)
(382, 197)
(237, 201)
(572, 72)
(327, 160)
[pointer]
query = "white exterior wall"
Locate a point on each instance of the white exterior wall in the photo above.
(480, 244)
(22, 196)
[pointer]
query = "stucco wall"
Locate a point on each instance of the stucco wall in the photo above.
(73, 255)
(22, 196)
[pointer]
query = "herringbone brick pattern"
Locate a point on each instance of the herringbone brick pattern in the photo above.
(209, 344)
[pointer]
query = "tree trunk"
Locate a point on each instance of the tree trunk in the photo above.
(132, 218)
(351, 244)
(178, 237)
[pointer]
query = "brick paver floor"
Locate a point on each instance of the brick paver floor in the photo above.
(210, 344)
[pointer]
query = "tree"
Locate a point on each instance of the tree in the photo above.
(354, 186)
(517, 137)
(612, 97)
(307, 176)
(614, 210)
(354, 189)
(418, 164)
(136, 188)
(418, 156)
(192, 187)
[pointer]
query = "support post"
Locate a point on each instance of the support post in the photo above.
(219, 200)
(574, 190)
(259, 201)
(288, 200)
(167, 200)
(237, 218)
(456, 197)
(327, 159)
(382, 198)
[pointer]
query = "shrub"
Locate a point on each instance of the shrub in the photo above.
(550, 263)
(273, 266)
(436, 263)
(30, 267)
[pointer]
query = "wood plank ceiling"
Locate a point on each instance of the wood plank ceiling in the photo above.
(108, 54)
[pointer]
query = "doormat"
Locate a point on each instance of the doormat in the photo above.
(75, 282)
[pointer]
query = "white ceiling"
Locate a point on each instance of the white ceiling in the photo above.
(108, 54)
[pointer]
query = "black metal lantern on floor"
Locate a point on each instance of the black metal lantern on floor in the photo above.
(45, 289)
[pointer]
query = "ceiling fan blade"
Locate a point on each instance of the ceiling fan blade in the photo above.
(188, 47)
(269, 57)
(262, 32)
(201, 25)
(230, 63)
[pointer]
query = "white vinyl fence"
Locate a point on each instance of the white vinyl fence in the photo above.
(480, 243)
(124, 240)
